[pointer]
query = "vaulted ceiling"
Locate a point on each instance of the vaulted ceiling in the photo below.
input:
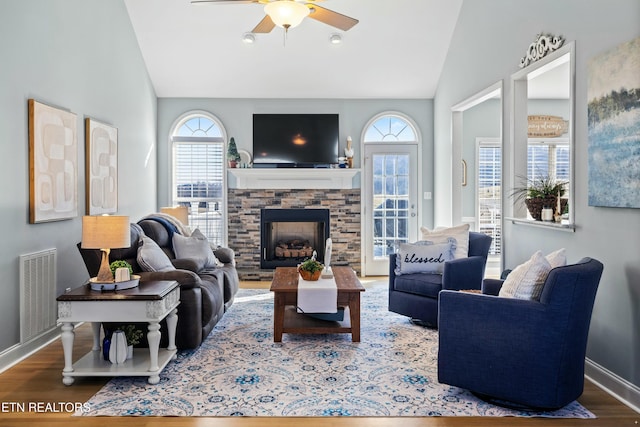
(397, 50)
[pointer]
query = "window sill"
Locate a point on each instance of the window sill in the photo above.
(564, 226)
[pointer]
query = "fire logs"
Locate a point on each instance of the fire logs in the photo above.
(293, 249)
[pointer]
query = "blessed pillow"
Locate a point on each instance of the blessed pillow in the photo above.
(423, 257)
(195, 247)
(151, 257)
(441, 235)
(527, 280)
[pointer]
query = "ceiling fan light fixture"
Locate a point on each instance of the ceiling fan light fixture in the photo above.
(286, 13)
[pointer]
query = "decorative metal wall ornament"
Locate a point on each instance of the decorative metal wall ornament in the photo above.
(543, 45)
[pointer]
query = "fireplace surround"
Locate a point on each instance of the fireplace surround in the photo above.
(244, 212)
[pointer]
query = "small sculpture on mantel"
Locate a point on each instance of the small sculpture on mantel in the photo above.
(348, 152)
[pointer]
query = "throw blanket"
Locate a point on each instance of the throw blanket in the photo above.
(170, 223)
(319, 296)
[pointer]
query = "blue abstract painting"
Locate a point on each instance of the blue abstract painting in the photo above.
(614, 127)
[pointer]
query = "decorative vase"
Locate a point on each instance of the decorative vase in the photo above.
(312, 277)
(106, 346)
(547, 214)
(233, 164)
(118, 348)
(129, 352)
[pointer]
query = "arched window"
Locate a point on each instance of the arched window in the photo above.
(390, 128)
(198, 143)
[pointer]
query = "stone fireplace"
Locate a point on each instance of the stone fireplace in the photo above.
(245, 208)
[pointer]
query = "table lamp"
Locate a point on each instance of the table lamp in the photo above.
(181, 213)
(105, 232)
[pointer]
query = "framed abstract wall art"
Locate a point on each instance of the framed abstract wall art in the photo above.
(101, 166)
(53, 163)
(614, 127)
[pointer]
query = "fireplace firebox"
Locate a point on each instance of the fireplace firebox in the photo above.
(289, 236)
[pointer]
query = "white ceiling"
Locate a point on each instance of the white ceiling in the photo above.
(397, 50)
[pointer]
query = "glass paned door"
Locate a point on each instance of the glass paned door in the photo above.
(391, 197)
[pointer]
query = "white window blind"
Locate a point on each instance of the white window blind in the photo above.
(489, 194)
(199, 175)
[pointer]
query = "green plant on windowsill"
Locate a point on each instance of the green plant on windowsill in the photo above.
(540, 192)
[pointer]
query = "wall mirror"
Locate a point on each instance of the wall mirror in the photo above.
(543, 146)
(477, 166)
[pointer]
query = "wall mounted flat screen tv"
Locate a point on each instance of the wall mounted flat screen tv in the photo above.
(295, 140)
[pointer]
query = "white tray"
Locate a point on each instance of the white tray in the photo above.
(114, 286)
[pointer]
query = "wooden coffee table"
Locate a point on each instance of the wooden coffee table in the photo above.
(287, 320)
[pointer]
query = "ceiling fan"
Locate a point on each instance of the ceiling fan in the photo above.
(290, 13)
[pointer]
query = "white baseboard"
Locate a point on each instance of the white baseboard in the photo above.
(17, 353)
(618, 387)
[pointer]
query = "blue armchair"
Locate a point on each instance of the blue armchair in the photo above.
(416, 295)
(520, 353)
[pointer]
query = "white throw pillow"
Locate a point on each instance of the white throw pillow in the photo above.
(196, 247)
(441, 235)
(423, 257)
(557, 258)
(527, 280)
(151, 257)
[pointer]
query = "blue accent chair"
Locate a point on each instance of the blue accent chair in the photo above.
(520, 353)
(416, 295)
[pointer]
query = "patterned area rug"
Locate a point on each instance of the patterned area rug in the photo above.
(239, 370)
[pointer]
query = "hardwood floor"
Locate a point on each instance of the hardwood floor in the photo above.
(37, 381)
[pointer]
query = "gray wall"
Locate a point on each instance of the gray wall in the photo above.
(482, 120)
(236, 116)
(81, 55)
(490, 38)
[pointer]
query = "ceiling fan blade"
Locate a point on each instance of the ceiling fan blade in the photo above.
(332, 18)
(264, 26)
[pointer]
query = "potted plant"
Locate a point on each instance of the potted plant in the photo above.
(310, 269)
(133, 335)
(542, 192)
(232, 153)
(120, 264)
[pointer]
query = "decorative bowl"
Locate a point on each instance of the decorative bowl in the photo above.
(312, 277)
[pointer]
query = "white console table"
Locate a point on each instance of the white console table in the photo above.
(149, 302)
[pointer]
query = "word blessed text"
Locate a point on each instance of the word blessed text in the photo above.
(414, 259)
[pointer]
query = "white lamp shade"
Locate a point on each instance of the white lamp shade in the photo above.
(286, 13)
(181, 213)
(105, 232)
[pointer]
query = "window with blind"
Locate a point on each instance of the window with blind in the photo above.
(198, 145)
(489, 189)
(550, 159)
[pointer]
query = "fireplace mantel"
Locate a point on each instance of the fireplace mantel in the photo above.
(294, 178)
